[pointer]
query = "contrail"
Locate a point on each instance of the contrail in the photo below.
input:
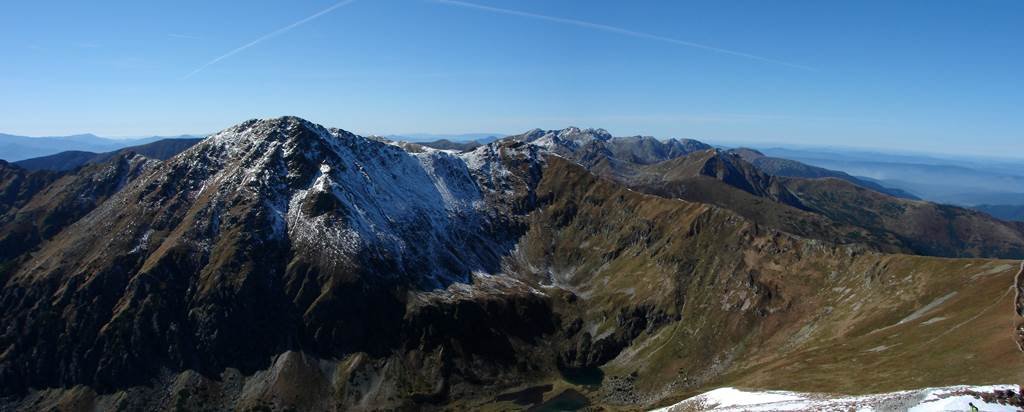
(270, 35)
(617, 30)
(183, 36)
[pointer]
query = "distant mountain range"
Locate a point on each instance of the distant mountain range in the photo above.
(161, 150)
(1005, 212)
(461, 137)
(14, 148)
(790, 168)
(283, 265)
(445, 144)
(962, 181)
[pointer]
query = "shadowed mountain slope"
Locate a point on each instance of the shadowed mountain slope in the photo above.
(260, 234)
(18, 185)
(65, 199)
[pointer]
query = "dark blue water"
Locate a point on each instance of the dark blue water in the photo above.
(568, 400)
(583, 376)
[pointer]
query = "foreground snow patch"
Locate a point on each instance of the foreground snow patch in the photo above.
(953, 398)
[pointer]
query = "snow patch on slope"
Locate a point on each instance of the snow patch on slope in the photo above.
(927, 308)
(953, 398)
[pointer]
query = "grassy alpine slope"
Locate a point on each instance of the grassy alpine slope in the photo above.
(727, 303)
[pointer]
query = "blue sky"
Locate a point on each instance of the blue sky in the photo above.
(911, 75)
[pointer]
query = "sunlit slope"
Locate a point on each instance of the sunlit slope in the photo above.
(678, 297)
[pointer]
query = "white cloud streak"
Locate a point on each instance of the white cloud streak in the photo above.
(618, 30)
(268, 36)
(183, 36)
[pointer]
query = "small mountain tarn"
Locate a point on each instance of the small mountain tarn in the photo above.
(567, 400)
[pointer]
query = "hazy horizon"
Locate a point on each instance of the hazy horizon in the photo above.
(729, 143)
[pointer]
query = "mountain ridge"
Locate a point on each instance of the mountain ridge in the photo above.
(279, 264)
(162, 149)
(826, 208)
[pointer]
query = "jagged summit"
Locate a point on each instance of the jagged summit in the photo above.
(568, 139)
(597, 148)
(568, 133)
(278, 129)
(577, 136)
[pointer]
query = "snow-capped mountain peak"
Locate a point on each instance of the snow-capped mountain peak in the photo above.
(345, 201)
